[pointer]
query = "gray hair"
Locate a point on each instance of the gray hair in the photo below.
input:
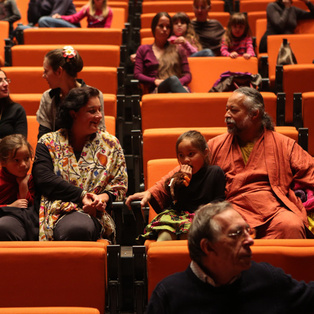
(254, 102)
(203, 226)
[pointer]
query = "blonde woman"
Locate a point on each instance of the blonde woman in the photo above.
(98, 14)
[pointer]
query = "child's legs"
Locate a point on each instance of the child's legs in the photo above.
(166, 236)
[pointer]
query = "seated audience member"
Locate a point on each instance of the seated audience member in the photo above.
(41, 12)
(237, 40)
(18, 219)
(260, 166)
(208, 30)
(61, 67)
(197, 183)
(12, 115)
(222, 278)
(9, 12)
(282, 18)
(160, 67)
(79, 171)
(185, 37)
(98, 15)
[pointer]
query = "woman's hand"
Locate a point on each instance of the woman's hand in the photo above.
(246, 56)
(133, 57)
(93, 203)
(233, 55)
(21, 203)
(144, 197)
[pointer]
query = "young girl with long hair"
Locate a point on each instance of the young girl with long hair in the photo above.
(184, 34)
(17, 216)
(237, 40)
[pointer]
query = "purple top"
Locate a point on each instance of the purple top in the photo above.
(240, 46)
(146, 67)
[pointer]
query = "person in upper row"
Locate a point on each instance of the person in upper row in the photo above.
(185, 36)
(9, 12)
(237, 40)
(41, 12)
(282, 18)
(161, 67)
(12, 115)
(60, 70)
(98, 14)
(261, 167)
(208, 30)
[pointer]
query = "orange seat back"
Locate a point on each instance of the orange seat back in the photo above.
(308, 118)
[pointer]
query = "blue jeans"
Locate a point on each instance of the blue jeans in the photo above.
(203, 53)
(48, 21)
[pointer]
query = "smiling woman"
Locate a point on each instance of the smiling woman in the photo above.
(12, 115)
(61, 67)
(79, 171)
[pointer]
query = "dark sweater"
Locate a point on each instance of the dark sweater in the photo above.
(13, 120)
(261, 289)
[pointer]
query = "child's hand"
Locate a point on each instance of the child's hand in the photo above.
(187, 169)
(233, 55)
(23, 180)
(23, 186)
(180, 40)
(246, 56)
(21, 203)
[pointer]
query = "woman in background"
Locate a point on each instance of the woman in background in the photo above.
(98, 14)
(161, 67)
(282, 18)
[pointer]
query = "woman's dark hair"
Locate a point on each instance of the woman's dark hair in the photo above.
(76, 99)
(5, 100)
(10, 144)
(71, 65)
(156, 19)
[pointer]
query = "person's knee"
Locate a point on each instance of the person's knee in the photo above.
(166, 236)
(82, 229)
(44, 21)
(11, 230)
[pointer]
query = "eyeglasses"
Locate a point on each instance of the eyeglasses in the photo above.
(241, 233)
(2, 80)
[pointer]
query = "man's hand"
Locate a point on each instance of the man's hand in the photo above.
(144, 197)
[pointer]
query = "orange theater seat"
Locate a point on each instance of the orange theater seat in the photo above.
(92, 55)
(73, 36)
(44, 274)
(48, 310)
(308, 118)
(206, 71)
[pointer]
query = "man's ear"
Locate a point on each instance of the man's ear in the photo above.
(206, 246)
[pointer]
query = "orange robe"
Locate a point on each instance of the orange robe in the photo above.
(259, 189)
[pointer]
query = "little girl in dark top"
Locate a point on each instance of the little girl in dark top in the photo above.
(196, 183)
